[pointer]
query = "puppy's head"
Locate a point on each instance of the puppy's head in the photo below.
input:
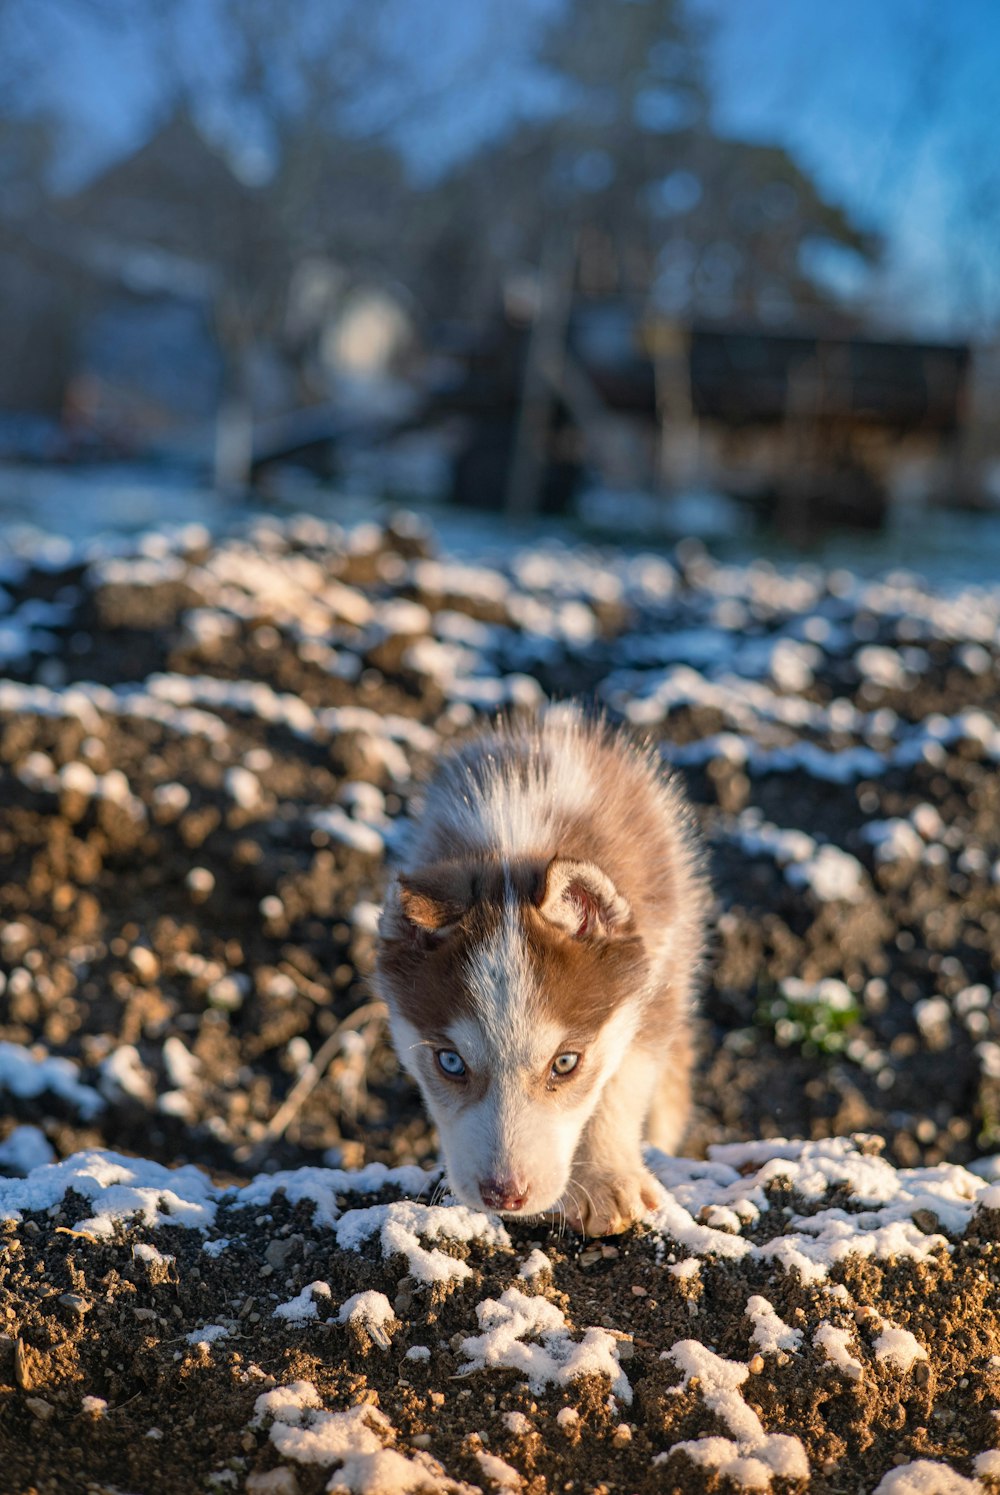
(514, 992)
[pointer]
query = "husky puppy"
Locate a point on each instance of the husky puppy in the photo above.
(537, 955)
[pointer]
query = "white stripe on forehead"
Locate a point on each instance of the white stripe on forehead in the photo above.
(511, 798)
(500, 976)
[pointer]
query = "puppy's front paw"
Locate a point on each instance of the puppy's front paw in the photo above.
(607, 1203)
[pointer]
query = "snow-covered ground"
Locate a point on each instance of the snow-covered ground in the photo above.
(738, 1337)
(207, 751)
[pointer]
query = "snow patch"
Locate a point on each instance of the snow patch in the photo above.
(403, 1225)
(898, 1347)
(770, 1333)
(303, 1307)
(836, 1345)
(354, 1443)
(751, 1457)
(372, 1312)
(27, 1073)
(556, 1360)
(25, 1148)
(926, 1477)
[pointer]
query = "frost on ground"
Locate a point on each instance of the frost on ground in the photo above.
(835, 1327)
(207, 752)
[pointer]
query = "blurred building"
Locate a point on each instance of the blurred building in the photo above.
(166, 287)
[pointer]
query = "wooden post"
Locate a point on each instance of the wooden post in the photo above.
(669, 346)
(542, 365)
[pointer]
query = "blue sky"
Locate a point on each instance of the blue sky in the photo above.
(889, 103)
(892, 105)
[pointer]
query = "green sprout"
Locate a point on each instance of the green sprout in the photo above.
(989, 1112)
(812, 1016)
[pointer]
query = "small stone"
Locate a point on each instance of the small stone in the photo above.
(144, 1315)
(75, 1302)
(755, 1365)
(278, 1252)
(200, 883)
(280, 1481)
(39, 1407)
(590, 1256)
(144, 963)
(421, 1440)
(926, 1221)
(639, 1292)
(622, 1435)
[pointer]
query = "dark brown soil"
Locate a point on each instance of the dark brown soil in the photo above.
(110, 942)
(86, 1317)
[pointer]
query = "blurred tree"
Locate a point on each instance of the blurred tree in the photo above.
(256, 171)
(282, 103)
(41, 289)
(635, 84)
(660, 208)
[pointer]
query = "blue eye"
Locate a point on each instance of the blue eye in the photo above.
(452, 1064)
(564, 1064)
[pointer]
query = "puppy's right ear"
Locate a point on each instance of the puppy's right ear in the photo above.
(580, 899)
(431, 900)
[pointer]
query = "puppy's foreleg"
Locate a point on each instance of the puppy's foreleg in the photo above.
(670, 1109)
(610, 1187)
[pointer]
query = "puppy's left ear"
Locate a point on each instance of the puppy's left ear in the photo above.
(430, 900)
(582, 900)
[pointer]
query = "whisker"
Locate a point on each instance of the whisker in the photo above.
(564, 1230)
(590, 1198)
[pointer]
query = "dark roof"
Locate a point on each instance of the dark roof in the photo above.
(741, 376)
(176, 192)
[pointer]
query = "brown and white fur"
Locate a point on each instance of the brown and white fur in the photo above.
(544, 939)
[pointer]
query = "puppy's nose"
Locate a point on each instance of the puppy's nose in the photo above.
(503, 1193)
